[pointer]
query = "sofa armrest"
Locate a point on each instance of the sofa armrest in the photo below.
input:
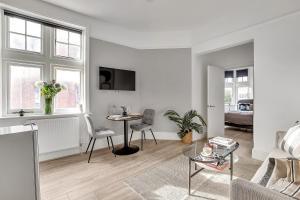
(279, 137)
(241, 189)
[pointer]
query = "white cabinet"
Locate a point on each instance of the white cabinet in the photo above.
(19, 172)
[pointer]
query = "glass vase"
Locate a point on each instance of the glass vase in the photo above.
(48, 106)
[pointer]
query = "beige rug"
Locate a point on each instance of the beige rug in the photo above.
(169, 181)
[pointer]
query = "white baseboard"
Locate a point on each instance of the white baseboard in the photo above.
(58, 154)
(102, 143)
(259, 155)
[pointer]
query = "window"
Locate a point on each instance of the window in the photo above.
(29, 42)
(243, 79)
(67, 44)
(24, 35)
(21, 91)
(228, 80)
(242, 75)
(71, 97)
(229, 75)
(228, 95)
(243, 93)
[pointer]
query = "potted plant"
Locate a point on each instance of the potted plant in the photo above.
(186, 124)
(48, 91)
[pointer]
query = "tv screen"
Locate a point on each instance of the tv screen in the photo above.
(116, 79)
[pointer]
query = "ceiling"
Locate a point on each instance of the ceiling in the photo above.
(180, 15)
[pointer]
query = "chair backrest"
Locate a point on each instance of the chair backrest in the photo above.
(148, 116)
(89, 124)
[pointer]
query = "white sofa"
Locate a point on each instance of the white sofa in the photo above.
(241, 189)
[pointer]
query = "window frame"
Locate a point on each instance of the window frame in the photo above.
(45, 58)
(67, 57)
(8, 72)
(69, 68)
(7, 37)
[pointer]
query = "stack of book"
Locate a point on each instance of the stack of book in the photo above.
(217, 166)
(223, 142)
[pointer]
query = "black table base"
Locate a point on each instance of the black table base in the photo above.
(127, 150)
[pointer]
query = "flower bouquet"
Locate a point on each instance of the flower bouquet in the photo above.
(48, 91)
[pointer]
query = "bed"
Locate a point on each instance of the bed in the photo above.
(243, 117)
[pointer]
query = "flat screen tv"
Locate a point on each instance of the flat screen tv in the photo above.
(116, 79)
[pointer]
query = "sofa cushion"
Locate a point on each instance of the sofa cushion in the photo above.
(286, 177)
(266, 177)
(276, 153)
(290, 142)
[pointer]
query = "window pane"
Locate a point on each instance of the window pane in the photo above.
(74, 38)
(69, 98)
(228, 96)
(62, 49)
(33, 29)
(243, 93)
(17, 41)
(33, 44)
(23, 94)
(17, 25)
(74, 51)
(62, 36)
(228, 80)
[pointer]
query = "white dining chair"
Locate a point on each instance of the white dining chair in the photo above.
(97, 133)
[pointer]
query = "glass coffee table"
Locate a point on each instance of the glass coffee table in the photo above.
(221, 159)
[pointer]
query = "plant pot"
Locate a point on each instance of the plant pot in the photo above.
(48, 106)
(188, 138)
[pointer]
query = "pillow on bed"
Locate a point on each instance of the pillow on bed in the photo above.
(291, 141)
(244, 107)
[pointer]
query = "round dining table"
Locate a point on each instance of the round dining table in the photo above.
(126, 149)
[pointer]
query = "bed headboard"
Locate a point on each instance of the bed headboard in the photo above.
(245, 105)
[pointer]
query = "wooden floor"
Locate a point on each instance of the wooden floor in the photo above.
(72, 178)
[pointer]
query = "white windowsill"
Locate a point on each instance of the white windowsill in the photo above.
(40, 116)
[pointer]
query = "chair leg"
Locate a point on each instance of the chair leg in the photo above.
(145, 136)
(153, 136)
(92, 150)
(112, 144)
(142, 139)
(130, 137)
(89, 145)
(108, 143)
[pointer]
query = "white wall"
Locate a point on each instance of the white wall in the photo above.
(238, 56)
(162, 83)
(116, 56)
(276, 75)
(165, 83)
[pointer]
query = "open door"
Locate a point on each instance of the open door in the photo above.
(215, 107)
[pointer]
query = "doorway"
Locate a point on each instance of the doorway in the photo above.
(230, 91)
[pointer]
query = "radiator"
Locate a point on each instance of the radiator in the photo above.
(57, 134)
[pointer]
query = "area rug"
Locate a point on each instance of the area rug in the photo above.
(169, 181)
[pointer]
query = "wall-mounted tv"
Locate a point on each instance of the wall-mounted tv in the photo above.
(116, 79)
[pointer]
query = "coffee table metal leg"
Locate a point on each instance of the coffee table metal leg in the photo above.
(190, 163)
(231, 166)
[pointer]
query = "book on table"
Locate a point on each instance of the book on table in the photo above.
(222, 141)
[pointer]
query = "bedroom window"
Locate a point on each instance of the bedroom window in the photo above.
(228, 96)
(243, 93)
(229, 75)
(242, 75)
